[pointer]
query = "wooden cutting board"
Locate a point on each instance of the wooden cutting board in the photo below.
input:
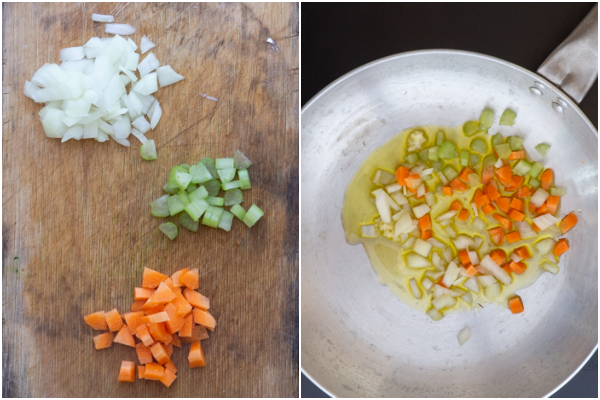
(77, 229)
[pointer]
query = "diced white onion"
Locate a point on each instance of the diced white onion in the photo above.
(399, 198)
(30, 89)
(467, 297)
(539, 197)
(421, 190)
(488, 263)
(52, 123)
(123, 142)
(499, 163)
(102, 18)
(442, 177)
(166, 76)
(478, 242)
(464, 335)
(71, 54)
(544, 246)
(515, 257)
(416, 170)
(545, 221)
(413, 260)
(409, 242)
(119, 29)
(478, 223)
(463, 242)
(49, 75)
(420, 210)
(414, 288)
(435, 314)
(450, 231)
(474, 257)
(394, 187)
(472, 285)
(143, 140)
(493, 291)
(134, 46)
(450, 275)
(75, 132)
(146, 85)
(77, 65)
(430, 199)
(130, 74)
(365, 230)
(447, 215)
(427, 283)
(486, 280)
(437, 243)
(422, 247)
(444, 301)
(426, 172)
(142, 125)
(553, 269)
(146, 44)
(447, 253)
(148, 64)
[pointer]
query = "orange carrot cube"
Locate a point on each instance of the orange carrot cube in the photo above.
(196, 299)
(167, 378)
(190, 279)
(103, 341)
(154, 371)
(159, 353)
(203, 318)
(125, 337)
(151, 278)
(141, 369)
(144, 353)
(133, 320)
(175, 277)
(516, 305)
(97, 321)
(113, 320)
(519, 267)
(142, 293)
(186, 330)
(196, 356)
(513, 237)
(155, 318)
(127, 371)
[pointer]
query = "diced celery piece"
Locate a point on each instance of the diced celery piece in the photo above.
(175, 205)
(159, 207)
(238, 211)
(522, 168)
(148, 150)
(450, 173)
(515, 143)
(479, 146)
(542, 149)
(503, 151)
(436, 165)
(433, 153)
(213, 186)
(252, 216)
(191, 187)
(231, 185)
(464, 158)
(198, 194)
(225, 221)
(470, 128)
(489, 160)
(169, 229)
(199, 173)
(412, 158)
(240, 161)
(486, 119)
(187, 222)
(183, 196)
(212, 216)
(244, 179)
(497, 139)
(233, 196)
(447, 151)
(535, 170)
(439, 139)
(226, 175)
(424, 155)
(215, 201)
(209, 163)
(508, 117)
(172, 182)
(186, 167)
(534, 183)
(196, 208)
(474, 160)
(558, 191)
(173, 190)
(182, 179)
(224, 163)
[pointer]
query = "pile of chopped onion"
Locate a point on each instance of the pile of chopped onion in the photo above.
(95, 93)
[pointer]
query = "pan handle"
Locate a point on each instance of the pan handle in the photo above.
(573, 66)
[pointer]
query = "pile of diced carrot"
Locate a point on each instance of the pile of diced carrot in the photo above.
(167, 312)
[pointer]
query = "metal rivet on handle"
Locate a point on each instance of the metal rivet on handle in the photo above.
(539, 85)
(563, 103)
(557, 107)
(535, 91)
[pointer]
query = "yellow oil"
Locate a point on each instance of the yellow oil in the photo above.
(387, 256)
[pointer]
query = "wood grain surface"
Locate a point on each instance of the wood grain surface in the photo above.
(77, 229)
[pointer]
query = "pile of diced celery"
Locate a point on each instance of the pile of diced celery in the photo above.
(193, 195)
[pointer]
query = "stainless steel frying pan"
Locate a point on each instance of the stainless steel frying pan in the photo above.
(358, 339)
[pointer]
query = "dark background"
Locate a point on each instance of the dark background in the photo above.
(337, 38)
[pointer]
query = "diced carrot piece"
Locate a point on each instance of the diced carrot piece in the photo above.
(426, 234)
(196, 299)
(517, 204)
(516, 305)
(196, 356)
(183, 307)
(154, 371)
(517, 181)
(113, 320)
(455, 205)
(492, 192)
(464, 257)
(103, 341)
(504, 175)
(167, 378)
(568, 223)
(425, 222)
(471, 270)
(478, 193)
(547, 179)
(532, 208)
(198, 333)
(137, 305)
(170, 284)
(141, 369)
(133, 320)
(144, 335)
(517, 155)
(169, 349)
(523, 193)
(151, 278)
(175, 277)
(482, 200)
(163, 294)
(159, 332)
(487, 174)
(463, 214)
(523, 252)
(144, 353)
(159, 353)
(541, 210)
(487, 209)
(552, 204)
(447, 190)
(186, 330)
(464, 174)
(170, 365)
(125, 337)
(506, 267)
(561, 246)
(516, 215)
(458, 185)
(535, 228)
(503, 204)
(413, 182)
(496, 235)
(127, 371)
(175, 340)
(155, 318)
(513, 237)
(505, 222)
(519, 267)
(190, 279)
(175, 322)
(142, 293)
(97, 321)
(499, 256)
(442, 284)
(401, 174)
(203, 318)
(152, 308)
